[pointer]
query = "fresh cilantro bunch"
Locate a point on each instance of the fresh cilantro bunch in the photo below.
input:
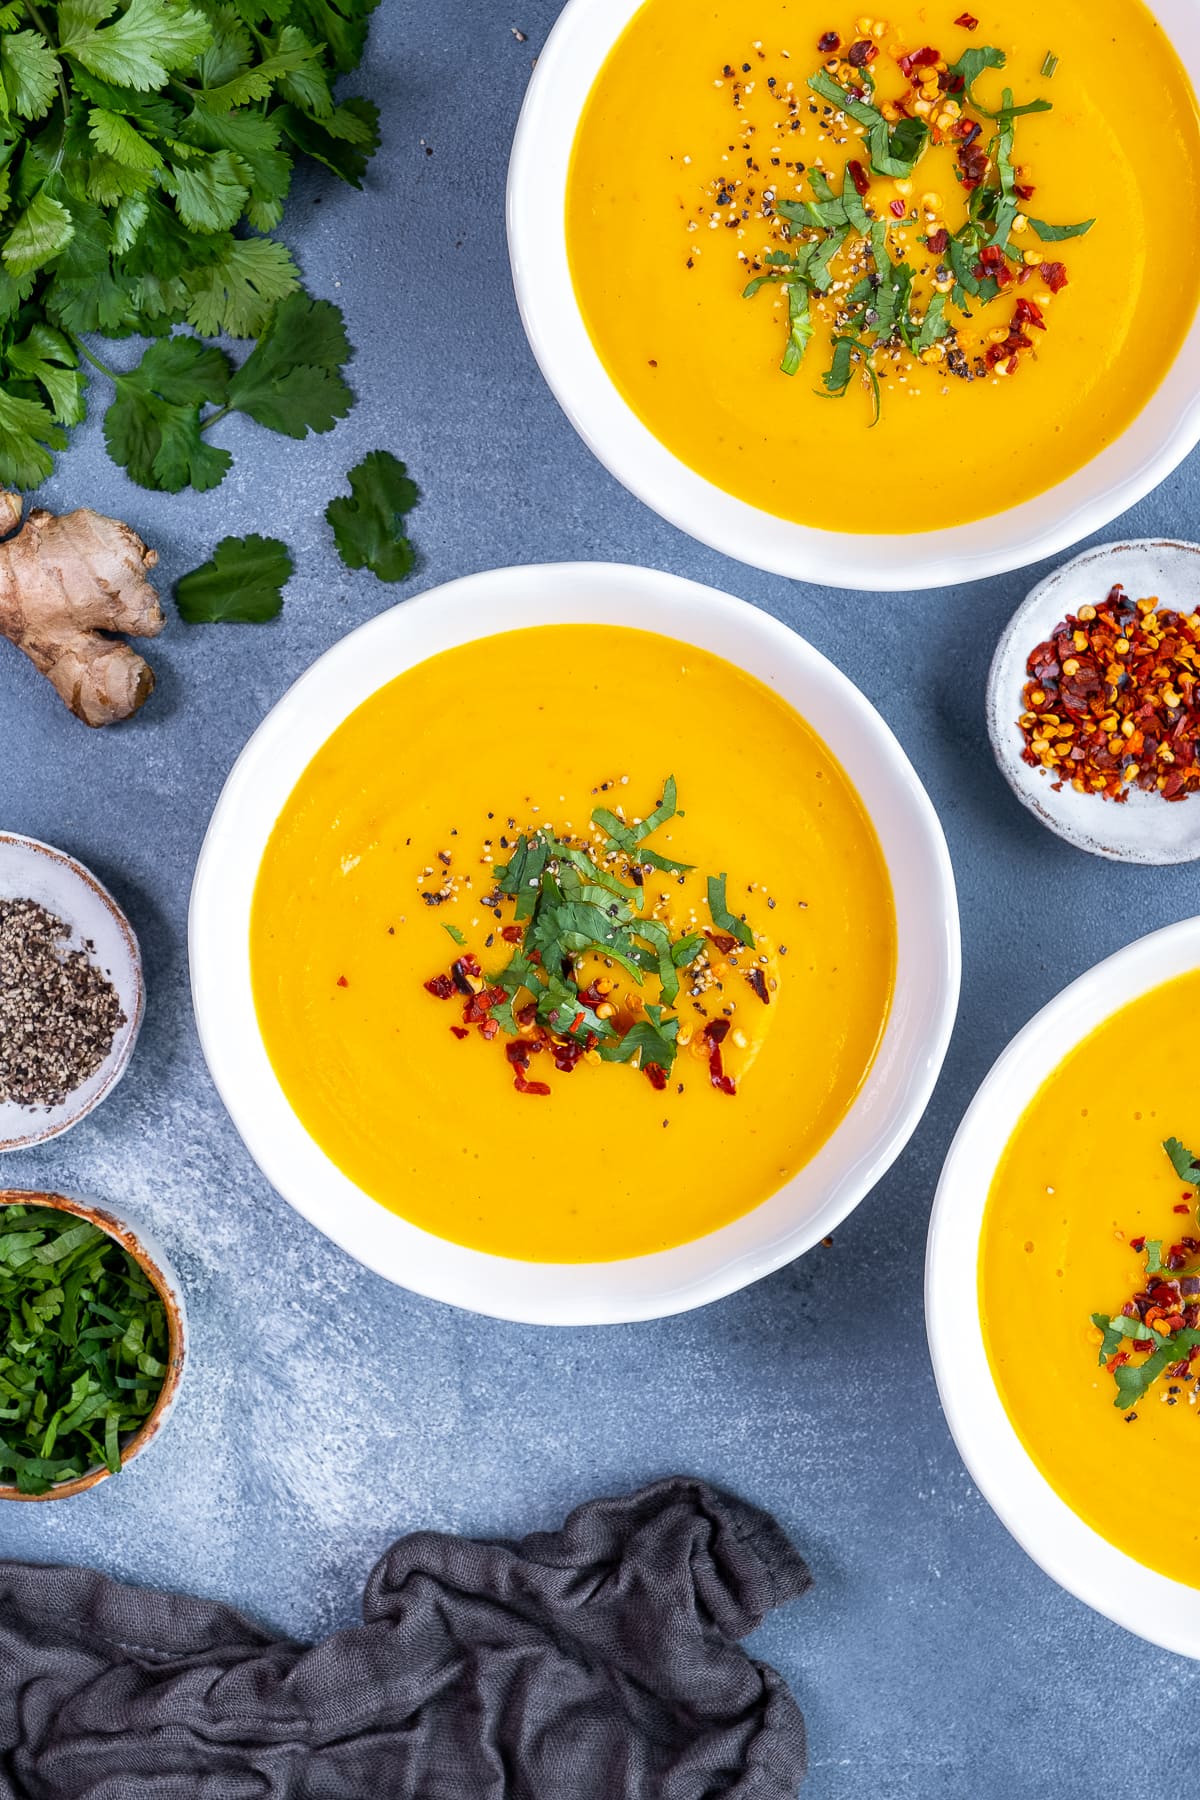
(146, 147)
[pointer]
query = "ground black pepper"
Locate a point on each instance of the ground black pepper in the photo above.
(59, 1013)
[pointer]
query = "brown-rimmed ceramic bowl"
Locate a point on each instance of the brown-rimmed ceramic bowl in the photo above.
(154, 1263)
(30, 870)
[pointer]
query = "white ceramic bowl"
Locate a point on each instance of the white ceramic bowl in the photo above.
(154, 1262)
(1071, 1552)
(1143, 828)
(33, 871)
(808, 1207)
(1122, 473)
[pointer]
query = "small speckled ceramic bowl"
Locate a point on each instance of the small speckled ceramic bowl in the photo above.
(33, 871)
(153, 1261)
(1143, 828)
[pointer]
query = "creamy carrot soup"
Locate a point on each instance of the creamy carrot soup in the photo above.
(572, 944)
(1089, 1281)
(892, 276)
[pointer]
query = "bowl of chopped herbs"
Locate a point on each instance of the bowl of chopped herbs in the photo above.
(93, 1326)
(71, 992)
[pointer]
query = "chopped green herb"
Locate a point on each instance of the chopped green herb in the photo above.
(1185, 1164)
(1133, 1379)
(1054, 234)
(84, 1350)
(1050, 65)
(721, 916)
(454, 932)
(800, 327)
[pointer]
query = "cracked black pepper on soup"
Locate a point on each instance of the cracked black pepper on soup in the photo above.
(59, 1013)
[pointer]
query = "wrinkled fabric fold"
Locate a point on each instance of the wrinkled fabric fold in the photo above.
(597, 1662)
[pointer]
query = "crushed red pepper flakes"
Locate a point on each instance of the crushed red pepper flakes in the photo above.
(1112, 700)
(968, 21)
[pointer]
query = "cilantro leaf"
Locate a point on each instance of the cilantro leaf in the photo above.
(29, 70)
(1154, 1256)
(209, 191)
(1055, 234)
(39, 233)
(339, 24)
(242, 582)
(800, 327)
(1185, 1164)
(971, 65)
(292, 381)
(344, 141)
(1133, 1379)
(27, 436)
(368, 527)
(237, 292)
(141, 47)
(934, 325)
(721, 916)
(153, 426)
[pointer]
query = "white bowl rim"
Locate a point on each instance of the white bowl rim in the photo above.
(1121, 474)
(1071, 1552)
(125, 1042)
(909, 1059)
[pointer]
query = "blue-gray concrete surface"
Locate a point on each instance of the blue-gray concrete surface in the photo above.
(326, 1411)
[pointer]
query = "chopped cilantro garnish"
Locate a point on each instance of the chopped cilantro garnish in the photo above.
(1054, 234)
(722, 918)
(1050, 65)
(454, 932)
(1185, 1164)
(84, 1350)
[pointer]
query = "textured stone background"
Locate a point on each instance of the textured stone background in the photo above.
(326, 1411)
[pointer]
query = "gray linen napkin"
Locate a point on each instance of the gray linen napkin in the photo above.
(598, 1662)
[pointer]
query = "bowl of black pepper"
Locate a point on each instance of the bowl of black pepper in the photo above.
(71, 992)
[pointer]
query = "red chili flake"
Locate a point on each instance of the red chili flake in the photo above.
(758, 982)
(860, 178)
(591, 995)
(565, 1055)
(974, 163)
(924, 58)
(489, 1028)
(829, 40)
(460, 1031)
(1113, 702)
(715, 1031)
(342, 982)
(656, 1076)
(541, 1088)
(517, 1053)
(724, 943)
(896, 208)
(527, 1015)
(441, 987)
(1024, 191)
(1138, 1244)
(1027, 312)
(968, 21)
(1054, 274)
(577, 1021)
(511, 934)
(1185, 1208)
(991, 253)
(862, 52)
(1114, 1362)
(966, 131)
(938, 241)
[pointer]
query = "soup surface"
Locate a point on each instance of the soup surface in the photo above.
(379, 874)
(701, 127)
(1083, 1181)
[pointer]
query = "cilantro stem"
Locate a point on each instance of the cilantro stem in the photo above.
(212, 417)
(113, 374)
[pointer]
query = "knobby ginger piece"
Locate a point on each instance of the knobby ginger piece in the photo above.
(66, 580)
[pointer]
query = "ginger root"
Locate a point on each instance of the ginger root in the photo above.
(65, 581)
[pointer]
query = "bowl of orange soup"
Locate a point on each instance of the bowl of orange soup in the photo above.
(1063, 1289)
(877, 302)
(574, 944)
